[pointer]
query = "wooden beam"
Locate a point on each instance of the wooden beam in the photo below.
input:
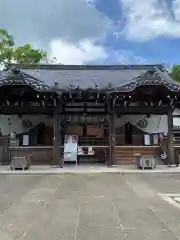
(141, 110)
(170, 138)
(26, 110)
(85, 106)
(82, 113)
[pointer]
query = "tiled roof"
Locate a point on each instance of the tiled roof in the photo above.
(16, 76)
(84, 77)
(154, 76)
(113, 77)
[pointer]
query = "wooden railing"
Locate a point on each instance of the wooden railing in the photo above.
(44, 155)
(39, 155)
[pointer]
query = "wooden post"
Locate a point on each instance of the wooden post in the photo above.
(112, 138)
(109, 161)
(60, 144)
(170, 138)
(56, 141)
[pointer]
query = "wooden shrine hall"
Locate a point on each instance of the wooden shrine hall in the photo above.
(117, 112)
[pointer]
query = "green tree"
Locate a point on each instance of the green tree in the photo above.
(6, 46)
(175, 73)
(26, 54)
(19, 54)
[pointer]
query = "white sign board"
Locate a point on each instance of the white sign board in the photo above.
(147, 140)
(25, 140)
(70, 148)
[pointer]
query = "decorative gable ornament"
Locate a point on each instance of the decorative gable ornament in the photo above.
(26, 123)
(142, 123)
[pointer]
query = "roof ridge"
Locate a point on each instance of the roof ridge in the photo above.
(9, 73)
(134, 79)
(164, 78)
(19, 71)
(168, 77)
(85, 67)
(32, 77)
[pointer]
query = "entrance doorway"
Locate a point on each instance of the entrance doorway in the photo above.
(92, 140)
(129, 134)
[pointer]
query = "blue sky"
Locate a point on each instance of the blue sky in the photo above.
(97, 31)
(158, 47)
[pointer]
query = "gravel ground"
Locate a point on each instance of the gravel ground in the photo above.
(89, 207)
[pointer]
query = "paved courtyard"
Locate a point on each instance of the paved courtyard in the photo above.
(89, 207)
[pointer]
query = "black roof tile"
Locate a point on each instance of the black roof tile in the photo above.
(114, 77)
(85, 76)
(16, 76)
(154, 76)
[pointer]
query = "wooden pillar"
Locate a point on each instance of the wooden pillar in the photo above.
(112, 139)
(57, 160)
(170, 138)
(109, 161)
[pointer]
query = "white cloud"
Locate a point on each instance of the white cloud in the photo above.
(128, 57)
(44, 21)
(87, 52)
(69, 28)
(176, 9)
(148, 19)
(81, 53)
(91, 2)
(62, 24)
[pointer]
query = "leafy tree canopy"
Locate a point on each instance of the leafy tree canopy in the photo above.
(175, 73)
(9, 52)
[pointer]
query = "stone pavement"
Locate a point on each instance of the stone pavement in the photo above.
(88, 207)
(87, 169)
